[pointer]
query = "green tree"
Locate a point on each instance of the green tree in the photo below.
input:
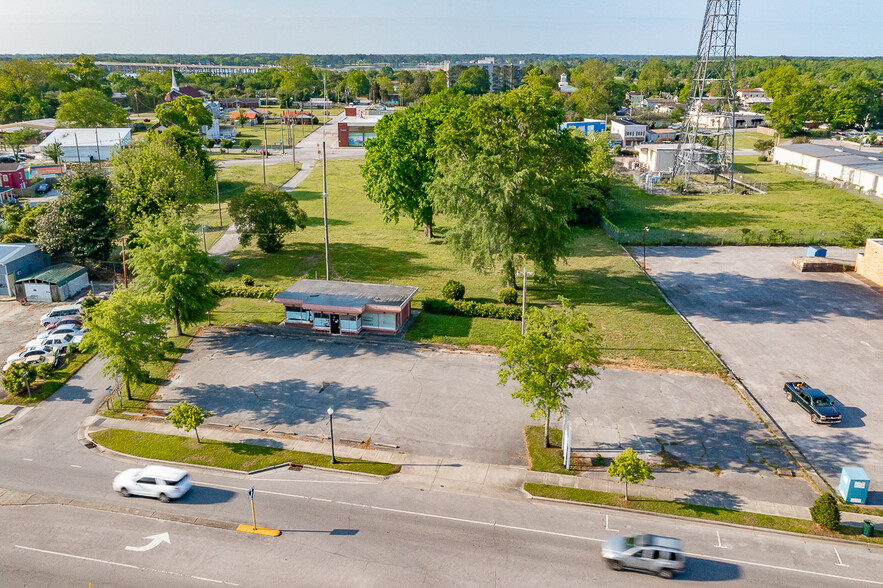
(84, 73)
(22, 82)
(187, 416)
(298, 79)
(169, 263)
(357, 83)
(21, 223)
(17, 140)
(509, 181)
(127, 333)
(474, 81)
(157, 176)
(555, 355)
(245, 144)
(825, 512)
(53, 151)
(653, 76)
(764, 146)
(18, 377)
(629, 468)
(79, 220)
(598, 91)
(226, 144)
(268, 214)
(438, 83)
(400, 162)
(88, 108)
(185, 112)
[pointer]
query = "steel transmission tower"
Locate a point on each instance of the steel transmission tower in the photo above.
(708, 135)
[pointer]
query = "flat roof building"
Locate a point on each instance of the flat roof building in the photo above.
(863, 171)
(347, 307)
(82, 145)
(354, 131)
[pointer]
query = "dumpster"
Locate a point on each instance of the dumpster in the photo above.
(868, 529)
(854, 485)
(814, 251)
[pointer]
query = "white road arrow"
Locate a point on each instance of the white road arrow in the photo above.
(154, 541)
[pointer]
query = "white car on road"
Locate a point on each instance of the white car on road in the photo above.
(154, 481)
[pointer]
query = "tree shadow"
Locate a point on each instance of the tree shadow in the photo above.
(714, 498)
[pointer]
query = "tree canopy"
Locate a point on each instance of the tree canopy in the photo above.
(629, 468)
(187, 416)
(17, 140)
(88, 108)
(266, 214)
(185, 112)
(473, 80)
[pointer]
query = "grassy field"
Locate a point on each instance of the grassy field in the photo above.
(747, 139)
(238, 311)
(802, 210)
(274, 133)
(637, 327)
(696, 512)
(220, 454)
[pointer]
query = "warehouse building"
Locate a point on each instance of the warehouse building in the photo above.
(84, 145)
(863, 171)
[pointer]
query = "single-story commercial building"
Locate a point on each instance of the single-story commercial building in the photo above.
(659, 157)
(854, 168)
(662, 135)
(587, 126)
(870, 263)
(82, 145)
(55, 283)
(353, 131)
(347, 307)
(18, 260)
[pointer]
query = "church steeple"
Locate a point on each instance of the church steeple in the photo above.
(175, 87)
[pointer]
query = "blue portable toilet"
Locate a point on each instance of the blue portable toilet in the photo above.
(854, 483)
(814, 251)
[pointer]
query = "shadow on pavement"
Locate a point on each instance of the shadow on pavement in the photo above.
(714, 499)
(708, 570)
(206, 495)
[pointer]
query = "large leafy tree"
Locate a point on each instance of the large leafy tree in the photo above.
(296, 78)
(22, 82)
(400, 162)
(20, 224)
(17, 140)
(357, 83)
(185, 112)
(509, 180)
(554, 356)
(169, 264)
(127, 333)
(266, 214)
(88, 108)
(598, 91)
(84, 73)
(159, 175)
(473, 80)
(79, 221)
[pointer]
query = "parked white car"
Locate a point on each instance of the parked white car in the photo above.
(33, 355)
(57, 343)
(154, 481)
(62, 330)
(59, 312)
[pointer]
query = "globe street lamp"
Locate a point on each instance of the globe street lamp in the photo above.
(330, 412)
(646, 230)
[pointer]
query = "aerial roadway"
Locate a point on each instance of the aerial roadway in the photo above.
(63, 525)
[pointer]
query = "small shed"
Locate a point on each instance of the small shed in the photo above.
(347, 307)
(56, 283)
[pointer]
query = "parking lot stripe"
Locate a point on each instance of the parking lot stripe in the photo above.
(839, 561)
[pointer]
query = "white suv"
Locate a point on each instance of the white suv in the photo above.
(154, 481)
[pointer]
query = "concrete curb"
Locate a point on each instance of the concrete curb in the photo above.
(704, 521)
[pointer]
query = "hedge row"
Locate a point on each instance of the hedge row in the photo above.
(470, 308)
(234, 291)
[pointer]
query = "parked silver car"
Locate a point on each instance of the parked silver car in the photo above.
(663, 556)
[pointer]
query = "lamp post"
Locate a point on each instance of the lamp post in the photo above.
(646, 230)
(523, 273)
(330, 412)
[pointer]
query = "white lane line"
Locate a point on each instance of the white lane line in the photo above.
(27, 459)
(784, 569)
(317, 481)
(719, 544)
(118, 564)
(75, 466)
(839, 561)
(607, 524)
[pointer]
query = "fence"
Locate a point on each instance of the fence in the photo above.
(743, 236)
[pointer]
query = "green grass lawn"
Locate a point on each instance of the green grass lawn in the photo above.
(238, 311)
(44, 389)
(695, 511)
(545, 459)
(637, 327)
(805, 212)
(747, 139)
(220, 454)
(274, 133)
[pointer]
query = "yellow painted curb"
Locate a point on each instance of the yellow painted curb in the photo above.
(259, 530)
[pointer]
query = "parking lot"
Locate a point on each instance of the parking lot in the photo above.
(18, 325)
(447, 403)
(773, 324)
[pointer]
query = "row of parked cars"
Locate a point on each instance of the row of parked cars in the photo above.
(62, 327)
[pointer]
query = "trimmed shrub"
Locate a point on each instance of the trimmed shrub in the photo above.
(825, 512)
(73, 349)
(168, 346)
(508, 295)
(232, 291)
(471, 308)
(247, 280)
(763, 158)
(44, 370)
(227, 265)
(454, 290)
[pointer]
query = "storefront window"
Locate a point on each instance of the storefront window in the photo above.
(322, 320)
(295, 314)
(349, 322)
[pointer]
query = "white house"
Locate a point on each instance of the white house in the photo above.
(854, 168)
(564, 87)
(627, 132)
(82, 145)
(751, 96)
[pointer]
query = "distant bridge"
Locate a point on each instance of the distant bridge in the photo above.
(184, 68)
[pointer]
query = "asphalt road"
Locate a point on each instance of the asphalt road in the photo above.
(340, 529)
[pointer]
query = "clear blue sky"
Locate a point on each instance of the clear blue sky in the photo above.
(767, 27)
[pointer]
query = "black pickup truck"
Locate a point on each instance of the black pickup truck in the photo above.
(819, 405)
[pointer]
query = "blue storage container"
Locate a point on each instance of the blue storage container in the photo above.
(814, 251)
(854, 483)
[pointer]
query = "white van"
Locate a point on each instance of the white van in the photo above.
(59, 312)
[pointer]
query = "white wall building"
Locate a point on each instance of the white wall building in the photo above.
(83, 145)
(627, 132)
(863, 171)
(565, 87)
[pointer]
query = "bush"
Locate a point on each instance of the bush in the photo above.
(245, 144)
(73, 349)
(44, 370)
(763, 158)
(226, 143)
(454, 290)
(471, 308)
(231, 291)
(825, 512)
(508, 295)
(168, 346)
(247, 280)
(208, 143)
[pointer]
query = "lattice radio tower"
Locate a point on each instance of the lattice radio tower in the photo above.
(708, 136)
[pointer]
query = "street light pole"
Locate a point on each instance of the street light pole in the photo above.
(523, 273)
(330, 412)
(325, 211)
(644, 234)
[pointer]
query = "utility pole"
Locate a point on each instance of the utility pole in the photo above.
(291, 140)
(98, 147)
(324, 111)
(218, 192)
(265, 153)
(325, 211)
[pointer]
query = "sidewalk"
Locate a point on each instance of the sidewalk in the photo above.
(490, 480)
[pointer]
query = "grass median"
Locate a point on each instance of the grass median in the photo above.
(545, 459)
(42, 390)
(223, 454)
(696, 511)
